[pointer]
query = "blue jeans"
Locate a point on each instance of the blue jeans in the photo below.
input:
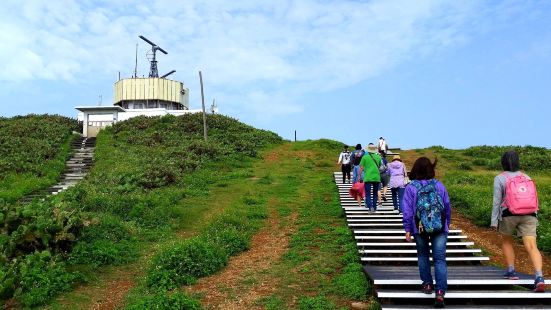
(356, 173)
(438, 255)
(397, 197)
(371, 194)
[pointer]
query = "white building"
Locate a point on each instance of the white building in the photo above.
(134, 97)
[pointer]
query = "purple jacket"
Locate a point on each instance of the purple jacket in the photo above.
(397, 172)
(410, 198)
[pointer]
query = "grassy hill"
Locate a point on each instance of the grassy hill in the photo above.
(33, 150)
(161, 209)
(167, 220)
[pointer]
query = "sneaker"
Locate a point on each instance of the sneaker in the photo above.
(539, 285)
(439, 299)
(511, 275)
(427, 288)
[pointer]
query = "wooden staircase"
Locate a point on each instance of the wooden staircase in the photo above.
(76, 168)
(391, 264)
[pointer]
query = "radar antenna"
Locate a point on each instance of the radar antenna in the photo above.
(152, 56)
(164, 76)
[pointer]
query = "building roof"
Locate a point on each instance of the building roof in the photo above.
(99, 109)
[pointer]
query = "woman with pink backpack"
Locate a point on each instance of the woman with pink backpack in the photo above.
(515, 209)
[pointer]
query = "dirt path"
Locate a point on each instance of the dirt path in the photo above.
(491, 242)
(241, 284)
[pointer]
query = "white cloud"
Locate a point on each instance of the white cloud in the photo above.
(260, 55)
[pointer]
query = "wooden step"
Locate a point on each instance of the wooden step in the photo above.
(365, 216)
(409, 244)
(415, 258)
(372, 220)
(465, 294)
(376, 225)
(457, 275)
(387, 237)
(396, 231)
(414, 251)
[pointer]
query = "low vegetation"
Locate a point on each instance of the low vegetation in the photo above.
(144, 168)
(33, 150)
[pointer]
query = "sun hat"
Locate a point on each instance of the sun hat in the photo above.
(396, 157)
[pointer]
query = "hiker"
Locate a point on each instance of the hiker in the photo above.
(397, 172)
(369, 166)
(515, 208)
(344, 161)
(385, 179)
(382, 147)
(427, 216)
(355, 159)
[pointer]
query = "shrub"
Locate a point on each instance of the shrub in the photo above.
(41, 277)
(315, 303)
(183, 262)
(166, 301)
(104, 252)
(228, 238)
(464, 166)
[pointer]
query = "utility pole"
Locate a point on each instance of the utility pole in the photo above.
(203, 104)
(295, 136)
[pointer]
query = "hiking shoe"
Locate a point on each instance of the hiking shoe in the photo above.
(439, 299)
(427, 288)
(539, 285)
(511, 275)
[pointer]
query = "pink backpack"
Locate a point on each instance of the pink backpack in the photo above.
(521, 197)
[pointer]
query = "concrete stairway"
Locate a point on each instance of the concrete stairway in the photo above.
(391, 264)
(76, 168)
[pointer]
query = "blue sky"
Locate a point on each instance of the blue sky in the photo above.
(420, 73)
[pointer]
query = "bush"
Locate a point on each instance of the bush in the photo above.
(183, 262)
(41, 277)
(315, 303)
(230, 239)
(166, 301)
(464, 166)
(104, 252)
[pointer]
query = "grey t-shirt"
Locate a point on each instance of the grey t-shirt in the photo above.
(499, 194)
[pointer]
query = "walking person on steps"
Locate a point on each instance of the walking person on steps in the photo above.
(382, 147)
(355, 159)
(515, 208)
(385, 179)
(397, 172)
(427, 216)
(369, 166)
(344, 161)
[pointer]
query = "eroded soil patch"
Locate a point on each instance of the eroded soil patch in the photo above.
(242, 283)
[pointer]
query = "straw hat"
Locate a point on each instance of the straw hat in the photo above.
(396, 157)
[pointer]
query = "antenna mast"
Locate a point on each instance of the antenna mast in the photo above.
(136, 65)
(152, 56)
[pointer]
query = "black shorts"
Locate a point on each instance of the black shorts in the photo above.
(346, 168)
(385, 179)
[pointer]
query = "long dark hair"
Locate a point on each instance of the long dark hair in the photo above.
(510, 161)
(423, 169)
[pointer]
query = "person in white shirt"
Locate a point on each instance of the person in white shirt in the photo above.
(344, 161)
(382, 147)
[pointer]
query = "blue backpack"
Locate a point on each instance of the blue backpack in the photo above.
(429, 207)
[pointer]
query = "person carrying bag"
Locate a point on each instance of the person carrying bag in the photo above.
(427, 216)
